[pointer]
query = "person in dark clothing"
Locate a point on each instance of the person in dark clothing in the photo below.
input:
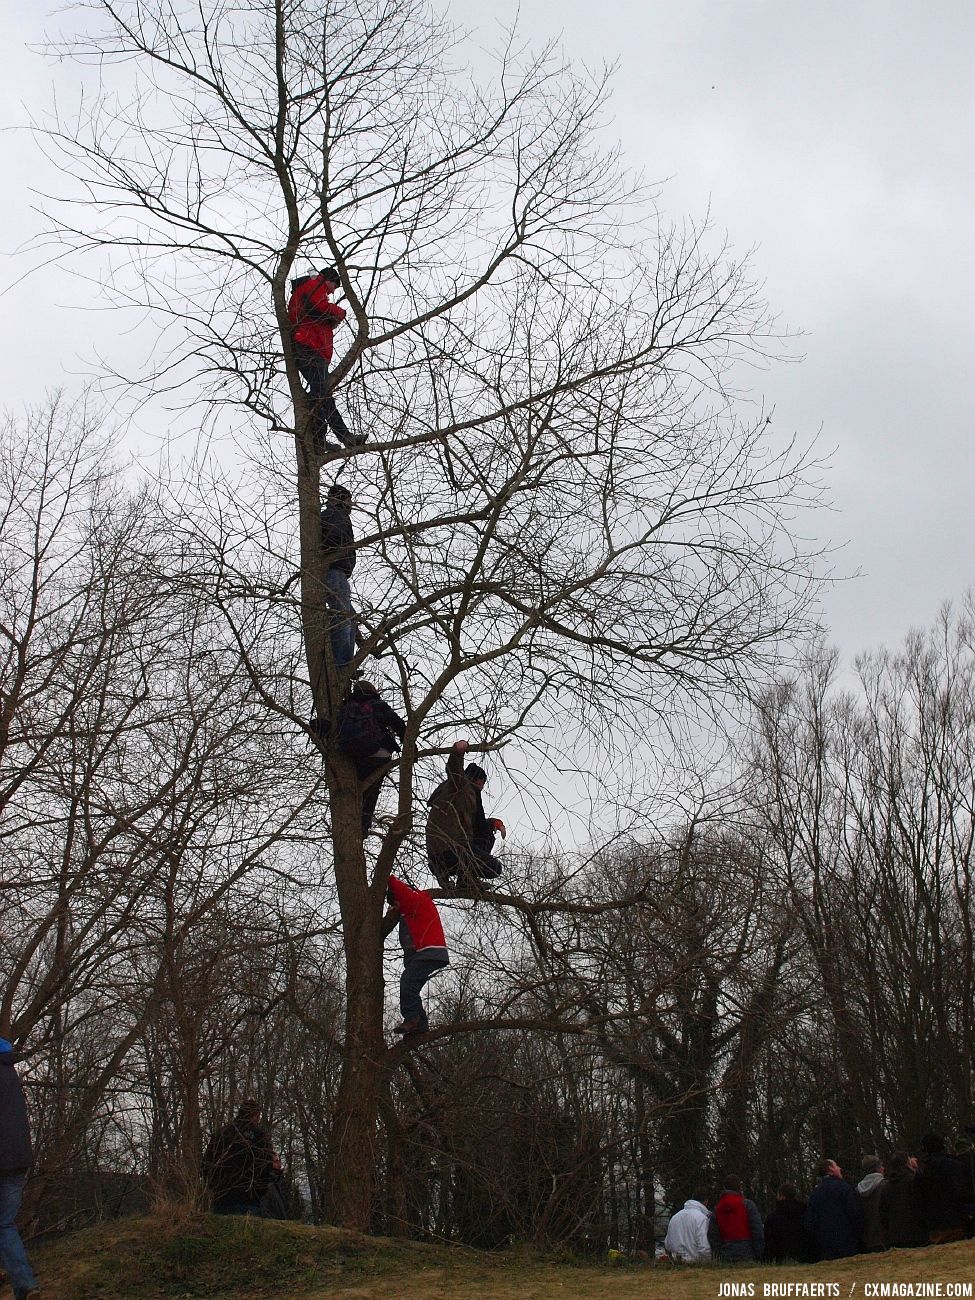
(938, 1192)
(424, 951)
(16, 1157)
(459, 836)
(338, 543)
(238, 1164)
(313, 318)
(834, 1215)
(965, 1155)
(735, 1231)
(868, 1190)
(785, 1229)
(369, 768)
(484, 829)
(899, 1220)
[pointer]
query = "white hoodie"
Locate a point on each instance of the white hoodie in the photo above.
(687, 1233)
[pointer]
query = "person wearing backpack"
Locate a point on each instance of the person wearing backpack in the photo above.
(369, 733)
(313, 318)
(424, 951)
(338, 543)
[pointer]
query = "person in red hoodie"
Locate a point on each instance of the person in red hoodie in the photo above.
(424, 951)
(735, 1231)
(313, 317)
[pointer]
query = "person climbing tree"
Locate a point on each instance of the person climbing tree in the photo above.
(369, 732)
(313, 318)
(424, 951)
(459, 836)
(338, 542)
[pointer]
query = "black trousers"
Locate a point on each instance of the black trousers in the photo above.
(325, 415)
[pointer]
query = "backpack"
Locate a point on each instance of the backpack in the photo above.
(361, 731)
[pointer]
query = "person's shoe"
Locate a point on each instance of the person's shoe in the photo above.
(407, 1026)
(421, 1028)
(357, 439)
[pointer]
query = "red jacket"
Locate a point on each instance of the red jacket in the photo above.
(313, 315)
(419, 911)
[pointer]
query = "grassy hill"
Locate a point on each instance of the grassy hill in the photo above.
(200, 1256)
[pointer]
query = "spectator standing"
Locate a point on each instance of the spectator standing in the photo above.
(238, 1164)
(687, 1232)
(16, 1157)
(834, 1215)
(938, 1192)
(868, 1190)
(785, 1228)
(735, 1231)
(899, 1220)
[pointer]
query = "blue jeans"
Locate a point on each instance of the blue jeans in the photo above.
(417, 969)
(338, 596)
(12, 1253)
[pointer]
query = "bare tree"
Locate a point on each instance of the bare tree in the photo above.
(567, 523)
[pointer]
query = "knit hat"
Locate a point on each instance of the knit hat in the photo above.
(338, 492)
(330, 274)
(475, 773)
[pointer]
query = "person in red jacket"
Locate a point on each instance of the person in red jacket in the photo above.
(424, 951)
(313, 317)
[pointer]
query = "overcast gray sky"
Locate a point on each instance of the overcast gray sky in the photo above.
(834, 136)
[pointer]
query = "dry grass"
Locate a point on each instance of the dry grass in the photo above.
(207, 1258)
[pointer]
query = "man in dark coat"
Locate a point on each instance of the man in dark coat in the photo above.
(459, 836)
(938, 1192)
(238, 1163)
(785, 1229)
(338, 543)
(389, 728)
(16, 1158)
(313, 318)
(965, 1155)
(868, 1190)
(834, 1215)
(735, 1231)
(899, 1221)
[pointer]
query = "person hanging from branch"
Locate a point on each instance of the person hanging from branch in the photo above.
(313, 318)
(459, 836)
(424, 951)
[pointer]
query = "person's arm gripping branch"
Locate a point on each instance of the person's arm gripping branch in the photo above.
(455, 764)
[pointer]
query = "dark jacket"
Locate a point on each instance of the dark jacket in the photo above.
(938, 1193)
(15, 1149)
(237, 1165)
(868, 1190)
(785, 1233)
(735, 1231)
(338, 539)
(453, 806)
(899, 1222)
(834, 1219)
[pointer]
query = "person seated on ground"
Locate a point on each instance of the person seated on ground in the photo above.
(238, 1163)
(338, 544)
(965, 1156)
(868, 1190)
(313, 318)
(785, 1229)
(425, 953)
(735, 1231)
(456, 813)
(899, 1220)
(834, 1215)
(686, 1241)
(369, 733)
(938, 1192)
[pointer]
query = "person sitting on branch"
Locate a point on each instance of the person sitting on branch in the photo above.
(424, 951)
(313, 318)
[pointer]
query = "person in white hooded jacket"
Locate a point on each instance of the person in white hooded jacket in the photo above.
(687, 1231)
